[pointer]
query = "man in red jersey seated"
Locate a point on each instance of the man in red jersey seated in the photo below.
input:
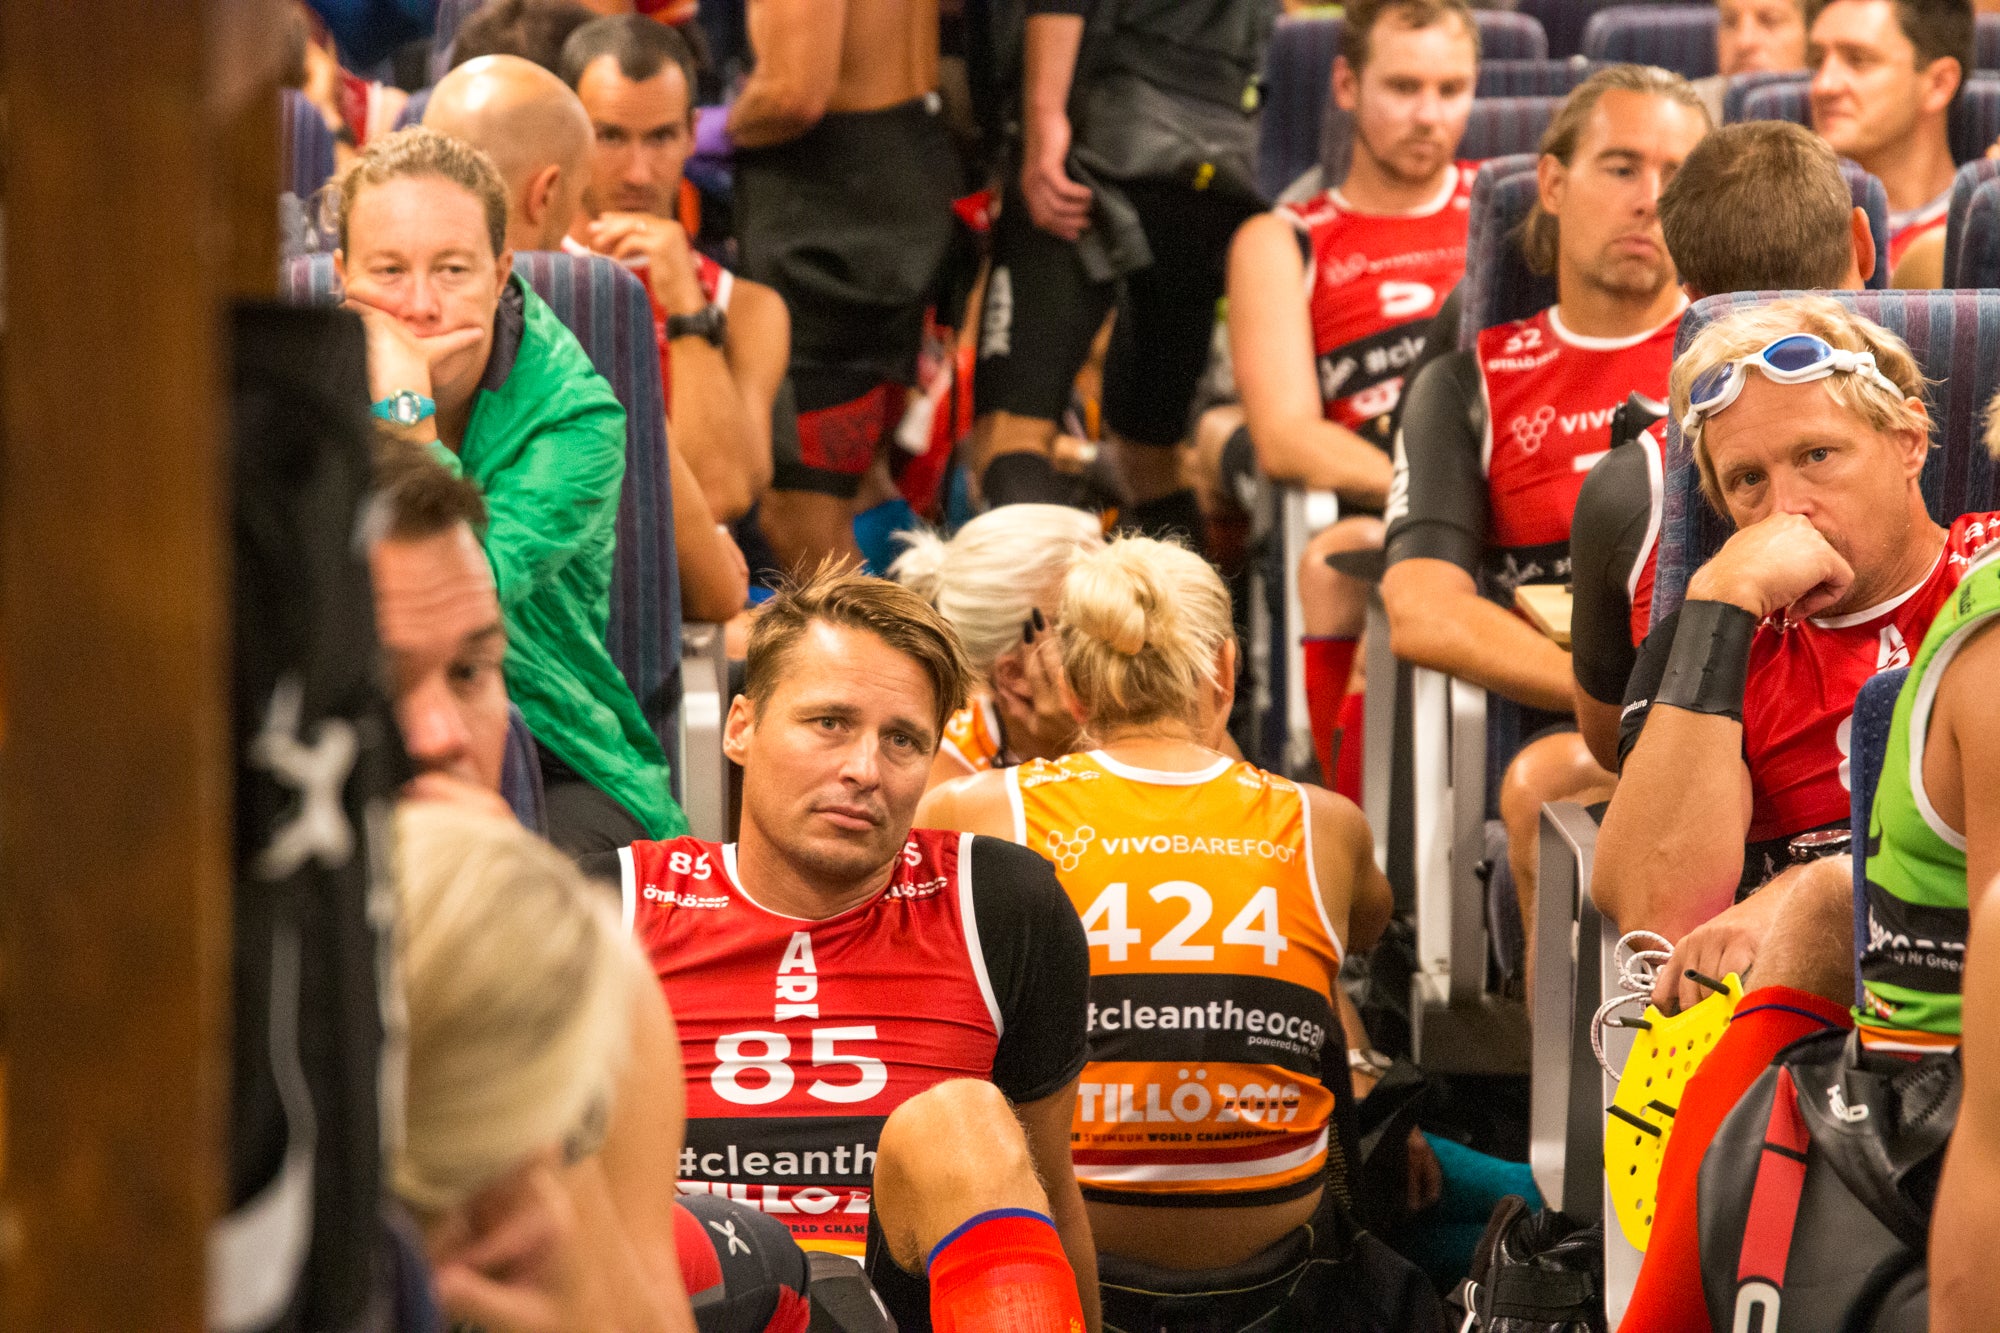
(724, 340)
(1714, 217)
(1329, 301)
(882, 1028)
(1495, 441)
(1885, 74)
(1809, 428)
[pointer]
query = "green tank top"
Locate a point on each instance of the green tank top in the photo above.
(1913, 958)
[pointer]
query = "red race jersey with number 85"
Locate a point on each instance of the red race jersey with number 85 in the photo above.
(800, 1037)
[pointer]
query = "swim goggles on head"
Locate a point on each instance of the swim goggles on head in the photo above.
(1796, 358)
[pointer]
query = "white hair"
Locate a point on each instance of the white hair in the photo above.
(995, 571)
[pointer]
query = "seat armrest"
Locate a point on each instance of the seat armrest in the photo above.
(703, 767)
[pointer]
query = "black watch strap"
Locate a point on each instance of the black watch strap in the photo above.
(708, 322)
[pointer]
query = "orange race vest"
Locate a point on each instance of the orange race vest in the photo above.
(972, 734)
(1217, 1056)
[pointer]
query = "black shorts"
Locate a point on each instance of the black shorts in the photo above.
(851, 222)
(744, 1272)
(1042, 310)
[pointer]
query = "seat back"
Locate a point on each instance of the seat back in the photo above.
(413, 110)
(1868, 746)
(1563, 21)
(1676, 37)
(1740, 86)
(1986, 41)
(1974, 124)
(1510, 36)
(1503, 126)
(1298, 73)
(1533, 78)
(307, 146)
(1872, 199)
(1499, 285)
(607, 309)
(1301, 126)
(1955, 337)
(521, 775)
(451, 15)
(1972, 247)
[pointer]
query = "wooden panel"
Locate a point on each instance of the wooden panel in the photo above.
(133, 208)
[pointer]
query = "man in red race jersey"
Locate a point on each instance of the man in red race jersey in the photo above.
(1329, 301)
(1738, 712)
(1495, 441)
(1885, 73)
(882, 1028)
(1714, 218)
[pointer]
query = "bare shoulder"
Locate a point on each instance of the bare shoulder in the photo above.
(976, 803)
(1269, 245)
(1338, 825)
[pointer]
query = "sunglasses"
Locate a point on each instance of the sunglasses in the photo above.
(1796, 358)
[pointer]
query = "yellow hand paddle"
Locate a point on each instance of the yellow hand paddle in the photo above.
(1667, 1050)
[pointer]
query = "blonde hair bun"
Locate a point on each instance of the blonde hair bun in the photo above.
(1142, 626)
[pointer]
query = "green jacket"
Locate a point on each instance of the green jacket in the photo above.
(546, 443)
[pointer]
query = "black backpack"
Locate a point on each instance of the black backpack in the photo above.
(1534, 1272)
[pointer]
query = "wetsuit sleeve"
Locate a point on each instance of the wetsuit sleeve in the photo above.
(1607, 532)
(1039, 967)
(1437, 499)
(1440, 341)
(1647, 673)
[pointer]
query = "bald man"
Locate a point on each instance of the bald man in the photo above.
(536, 132)
(538, 135)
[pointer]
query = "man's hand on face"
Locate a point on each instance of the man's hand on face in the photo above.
(663, 244)
(1777, 563)
(399, 359)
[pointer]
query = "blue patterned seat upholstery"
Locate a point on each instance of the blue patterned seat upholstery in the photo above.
(1740, 86)
(1563, 21)
(606, 308)
(1972, 227)
(1298, 77)
(307, 157)
(1955, 336)
(451, 15)
(1676, 37)
(1510, 36)
(413, 110)
(1503, 126)
(1868, 747)
(1499, 286)
(1975, 116)
(1872, 199)
(1533, 78)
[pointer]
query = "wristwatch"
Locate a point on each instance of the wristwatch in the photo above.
(405, 407)
(708, 322)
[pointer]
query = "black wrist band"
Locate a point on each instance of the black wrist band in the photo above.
(1710, 660)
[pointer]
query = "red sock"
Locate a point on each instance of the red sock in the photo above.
(1004, 1271)
(1667, 1297)
(1347, 768)
(1329, 662)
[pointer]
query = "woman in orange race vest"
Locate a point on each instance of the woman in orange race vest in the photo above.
(1217, 899)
